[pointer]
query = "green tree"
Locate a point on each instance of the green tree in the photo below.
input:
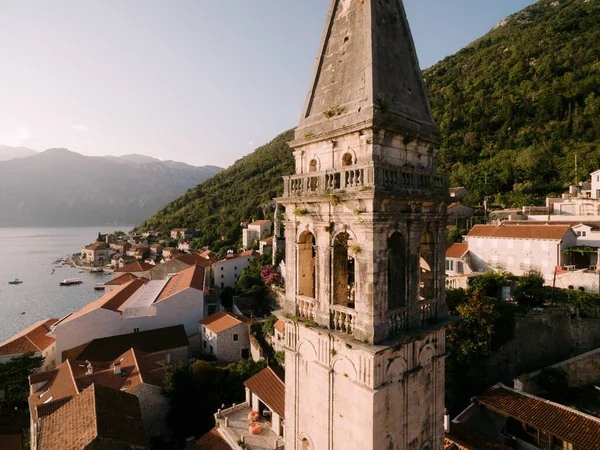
(530, 291)
(14, 377)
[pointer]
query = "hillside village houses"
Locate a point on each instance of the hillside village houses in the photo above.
(182, 233)
(136, 305)
(225, 336)
(255, 231)
(96, 254)
(228, 270)
(32, 339)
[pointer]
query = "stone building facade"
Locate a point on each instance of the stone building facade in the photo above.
(365, 217)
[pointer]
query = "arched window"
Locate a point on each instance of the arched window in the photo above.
(427, 266)
(306, 264)
(347, 159)
(312, 166)
(343, 273)
(305, 444)
(396, 272)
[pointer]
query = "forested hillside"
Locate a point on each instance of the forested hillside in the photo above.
(517, 105)
(514, 108)
(240, 192)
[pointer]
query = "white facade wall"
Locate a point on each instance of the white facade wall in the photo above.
(518, 256)
(186, 307)
(228, 271)
(48, 354)
(595, 184)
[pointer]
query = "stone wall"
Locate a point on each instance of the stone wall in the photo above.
(154, 407)
(542, 338)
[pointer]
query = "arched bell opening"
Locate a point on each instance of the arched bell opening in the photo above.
(396, 273)
(344, 273)
(307, 265)
(427, 267)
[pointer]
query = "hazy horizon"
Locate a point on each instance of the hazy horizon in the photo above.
(201, 82)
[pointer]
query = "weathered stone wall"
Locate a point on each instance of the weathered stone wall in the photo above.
(543, 338)
(154, 407)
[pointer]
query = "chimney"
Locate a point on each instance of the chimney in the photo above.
(229, 253)
(117, 368)
(446, 421)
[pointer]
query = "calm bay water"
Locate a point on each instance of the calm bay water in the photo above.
(28, 254)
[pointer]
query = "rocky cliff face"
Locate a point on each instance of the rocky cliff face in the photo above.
(62, 188)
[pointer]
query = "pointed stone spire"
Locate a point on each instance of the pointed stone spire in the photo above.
(367, 74)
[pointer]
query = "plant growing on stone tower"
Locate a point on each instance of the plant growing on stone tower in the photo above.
(332, 111)
(383, 102)
(299, 212)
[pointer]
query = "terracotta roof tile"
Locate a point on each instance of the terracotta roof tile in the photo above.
(280, 325)
(193, 259)
(31, 339)
(456, 250)
(136, 266)
(106, 417)
(465, 438)
(565, 423)
(109, 348)
(268, 240)
(121, 279)
(192, 277)
(260, 222)
(270, 388)
(97, 246)
(111, 300)
(222, 320)
(211, 441)
(240, 255)
(546, 232)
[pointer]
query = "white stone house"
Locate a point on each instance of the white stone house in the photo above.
(32, 339)
(96, 254)
(519, 248)
(135, 306)
(182, 233)
(225, 335)
(457, 259)
(185, 246)
(228, 270)
(255, 231)
(458, 192)
(265, 246)
(460, 210)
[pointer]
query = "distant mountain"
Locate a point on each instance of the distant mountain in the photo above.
(7, 152)
(59, 187)
(239, 193)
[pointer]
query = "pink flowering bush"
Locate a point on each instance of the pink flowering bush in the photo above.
(270, 275)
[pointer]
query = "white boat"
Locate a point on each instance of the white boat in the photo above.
(70, 281)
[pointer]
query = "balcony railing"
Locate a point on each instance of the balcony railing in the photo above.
(306, 307)
(381, 176)
(342, 318)
(398, 320)
(428, 311)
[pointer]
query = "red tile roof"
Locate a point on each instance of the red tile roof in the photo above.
(31, 339)
(100, 417)
(111, 300)
(565, 423)
(456, 250)
(222, 320)
(270, 388)
(268, 240)
(240, 255)
(121, 279)
(211, 441)
(466, 438)
(192, 259)
(260, 222)
(545, 232)
(280, 325)
(192, 277)
(109, 348)
(96, 246)
(136, 266)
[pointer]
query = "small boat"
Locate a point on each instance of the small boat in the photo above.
(57, 267)
(70, 281)
(81, 271)
(97, 270)
(15, 281)
(99, 287)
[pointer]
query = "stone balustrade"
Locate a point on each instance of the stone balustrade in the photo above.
(306, 307)
(428, 310)
(398, 320)
(342, 318)
(381, 176)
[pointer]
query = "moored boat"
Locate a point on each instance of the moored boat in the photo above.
(15, 281)
(70, 281)
(99, 287)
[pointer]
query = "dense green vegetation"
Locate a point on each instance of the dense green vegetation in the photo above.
(240, 193)
(516, 106)
(14, 378)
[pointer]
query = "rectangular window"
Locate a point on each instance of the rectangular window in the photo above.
(222, 276)
(211, 349)
(584, 233)
(235, 337)
(511, 244)
(222, 268)
(579, 234)
(235, 268)
(222, 285)
(136, 330)
(204, 342)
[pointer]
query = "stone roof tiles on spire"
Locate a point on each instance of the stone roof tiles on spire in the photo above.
(367, 73)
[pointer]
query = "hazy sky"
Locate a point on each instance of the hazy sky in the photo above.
(199, 81)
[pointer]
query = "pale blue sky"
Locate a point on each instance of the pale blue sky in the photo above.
(199, 81)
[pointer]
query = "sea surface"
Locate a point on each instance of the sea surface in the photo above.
(28, 254)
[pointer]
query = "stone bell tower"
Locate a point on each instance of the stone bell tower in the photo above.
(365, 216)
